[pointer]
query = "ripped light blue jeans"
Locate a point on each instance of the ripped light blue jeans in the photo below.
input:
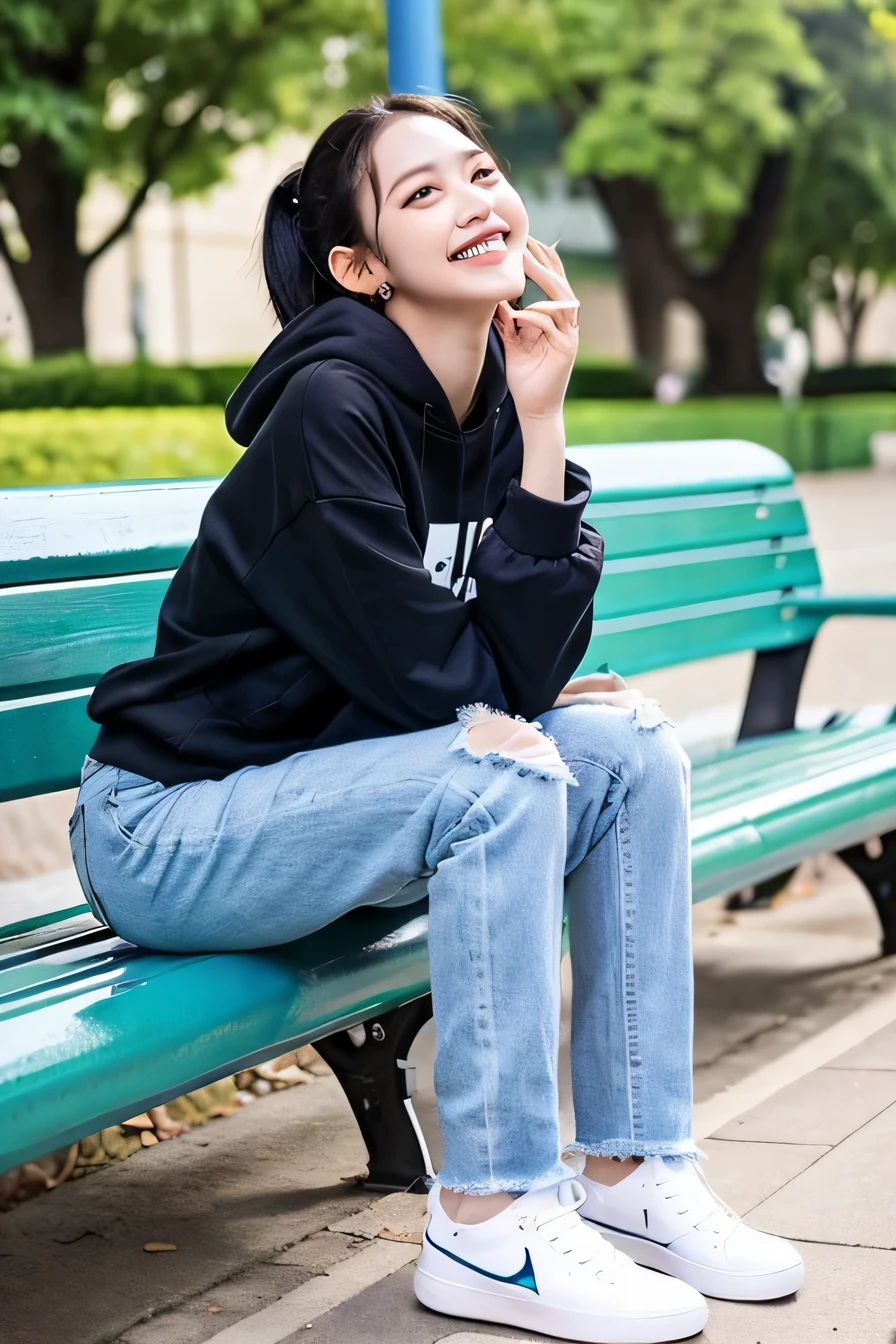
(273, 852)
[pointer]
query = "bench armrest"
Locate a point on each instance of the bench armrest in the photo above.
(848, 604)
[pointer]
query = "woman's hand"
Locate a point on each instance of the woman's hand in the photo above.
(540, 342)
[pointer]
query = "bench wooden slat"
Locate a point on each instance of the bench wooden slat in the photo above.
(43, 743)
(65, 635)
(652, 527)
(650, 639)
(83, 531)
(714, 573)
(694, 466)
(113, 1025)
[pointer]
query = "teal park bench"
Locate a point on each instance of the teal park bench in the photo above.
(708, 552)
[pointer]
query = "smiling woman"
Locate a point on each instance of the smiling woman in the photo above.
(388, 592)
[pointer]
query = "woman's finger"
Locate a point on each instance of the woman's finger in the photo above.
(564, 314)
(542, 321)
(547, 254)
(549, 280)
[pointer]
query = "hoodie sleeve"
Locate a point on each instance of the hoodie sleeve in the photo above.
(536, 570)
(345, 579)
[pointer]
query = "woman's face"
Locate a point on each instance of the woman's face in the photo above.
(438, 192)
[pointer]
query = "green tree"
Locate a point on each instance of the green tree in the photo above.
(683, 115)
(837, 240)
(146, 91)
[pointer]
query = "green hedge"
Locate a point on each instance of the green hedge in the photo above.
(61, 447)
(69, 380)
(848, 379)
(56, 447)
(72, 380)
(823, 434)
(605, 380)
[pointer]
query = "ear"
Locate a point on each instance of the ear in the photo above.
(356, 275)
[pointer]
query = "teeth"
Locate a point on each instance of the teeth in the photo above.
(490, 245)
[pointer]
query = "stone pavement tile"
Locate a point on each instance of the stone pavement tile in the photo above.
(397, 1217)
(389, 1313)
(300, 1310)
(877, 1052)
(319, 1250)
(823, 1107)
(848, 1196)
(847, 1298)
(193, 1322)
(745, 1174)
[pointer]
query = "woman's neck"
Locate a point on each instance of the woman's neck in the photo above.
(453, 346)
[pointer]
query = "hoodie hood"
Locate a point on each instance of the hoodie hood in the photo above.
(342, 328)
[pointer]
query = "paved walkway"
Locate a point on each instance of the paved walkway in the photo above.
(815, 1162)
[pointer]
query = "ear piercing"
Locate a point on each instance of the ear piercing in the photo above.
(385, 290)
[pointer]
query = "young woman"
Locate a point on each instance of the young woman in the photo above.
(360, 687)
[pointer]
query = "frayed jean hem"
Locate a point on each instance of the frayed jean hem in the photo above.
(636, 1148)
(561, 1171)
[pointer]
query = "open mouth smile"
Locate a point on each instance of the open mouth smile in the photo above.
(494, 243)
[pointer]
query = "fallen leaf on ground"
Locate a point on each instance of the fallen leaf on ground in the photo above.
(159, 1246)
(137, 1122)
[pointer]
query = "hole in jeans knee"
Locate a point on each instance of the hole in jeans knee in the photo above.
(492, 735)
(497, 733)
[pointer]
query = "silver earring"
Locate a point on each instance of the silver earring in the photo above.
(385, 290)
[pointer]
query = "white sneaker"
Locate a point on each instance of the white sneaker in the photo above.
(538, 1266)
(664, 1214)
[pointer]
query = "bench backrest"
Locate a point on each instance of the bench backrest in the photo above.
(705, 543)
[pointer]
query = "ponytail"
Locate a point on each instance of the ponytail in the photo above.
(293, 279)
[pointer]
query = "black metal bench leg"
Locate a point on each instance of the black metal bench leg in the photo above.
(378, 1083)
(879, 875)
(774, 690)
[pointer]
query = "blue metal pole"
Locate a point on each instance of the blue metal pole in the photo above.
(414, 35)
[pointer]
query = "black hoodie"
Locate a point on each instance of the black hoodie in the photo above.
(343, 584)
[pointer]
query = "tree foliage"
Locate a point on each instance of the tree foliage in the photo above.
(684, 116)
(147, 91)
(837, 241)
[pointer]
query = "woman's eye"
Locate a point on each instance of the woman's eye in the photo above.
(416, 194)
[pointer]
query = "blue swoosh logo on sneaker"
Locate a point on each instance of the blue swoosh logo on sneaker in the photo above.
(524, 1277)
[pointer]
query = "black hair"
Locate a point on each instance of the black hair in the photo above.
(314, 208)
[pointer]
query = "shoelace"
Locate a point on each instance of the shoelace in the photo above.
(711, 1204)
(568, 1235)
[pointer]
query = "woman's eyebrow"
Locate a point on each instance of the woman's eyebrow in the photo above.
(428, 167)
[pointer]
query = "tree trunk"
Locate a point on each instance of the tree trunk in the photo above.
(651, 269)
(727, 297)
(731, 354)
(655, 270)
(51, 282)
